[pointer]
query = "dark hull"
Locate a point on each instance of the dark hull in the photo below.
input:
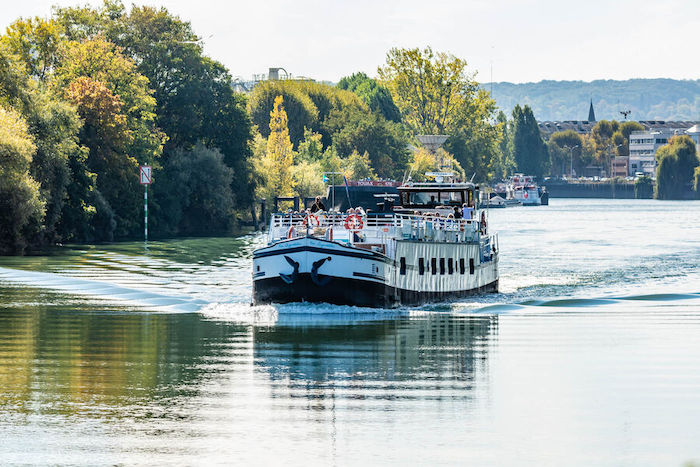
(355, 292)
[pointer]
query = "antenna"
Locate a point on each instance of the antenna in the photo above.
(625, 113)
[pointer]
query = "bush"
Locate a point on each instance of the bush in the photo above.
(643, 188)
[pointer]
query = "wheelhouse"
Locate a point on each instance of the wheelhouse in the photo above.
(420, 196)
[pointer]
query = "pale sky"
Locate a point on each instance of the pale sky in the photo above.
(524, 40)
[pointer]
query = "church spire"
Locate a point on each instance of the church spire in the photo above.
(591, 113)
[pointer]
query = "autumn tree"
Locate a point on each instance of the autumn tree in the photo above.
(274, 167)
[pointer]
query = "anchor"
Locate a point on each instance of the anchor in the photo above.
(318, 280)
(289, 278)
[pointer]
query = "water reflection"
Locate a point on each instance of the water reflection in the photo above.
(71, 359)
(390, 357)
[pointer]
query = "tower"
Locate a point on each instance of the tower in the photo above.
(591, 113)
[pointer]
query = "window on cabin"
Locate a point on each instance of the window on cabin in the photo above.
(421, 266)
(450, 266)
(433, 266)
(471, 265)
(402, 267)
(442, 266)
(461, 266)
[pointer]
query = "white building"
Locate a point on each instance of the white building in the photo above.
(644, 144)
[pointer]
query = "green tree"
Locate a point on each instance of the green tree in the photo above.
(194, 98)
(565, 151)
(696, 182)
(194, 189)
(385, 142)
(423, 161)
(311, 147)
(644, 188)
(36, 42)
(531, 155)
(307, 179)
(358, 167)
(676, 163)
(53, 126)
(21, 206)
(300, 109)
(377, 97)
(437, 95)
(427, 87)
(602, 134)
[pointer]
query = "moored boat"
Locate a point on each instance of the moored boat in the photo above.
(421, 252)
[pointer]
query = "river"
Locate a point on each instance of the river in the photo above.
(589, 355)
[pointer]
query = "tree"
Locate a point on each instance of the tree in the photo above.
(307, 178)
(300, 109)
(36, 42)
(566, 150)
(696, 182)
(531, 154)
(194, 98)
(194, 189)
(427, 87)
(377, 97)
(423, 161)
(310, 148)
(385, 142)
(21, 206)
(358, 167)
(644, 188)
(602, 134)
(274, 168)
(676, 163)
(437, 95)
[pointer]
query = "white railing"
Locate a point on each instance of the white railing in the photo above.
(375, 229)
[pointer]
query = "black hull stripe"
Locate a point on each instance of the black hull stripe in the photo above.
(354, 292)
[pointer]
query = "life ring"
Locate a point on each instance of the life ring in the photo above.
(483, 222)
(310, 220)
(290, 232)
(354, 223)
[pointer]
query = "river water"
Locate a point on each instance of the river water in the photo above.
(589, 355)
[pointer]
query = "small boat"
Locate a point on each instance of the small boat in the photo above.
(526, 190)
(417, 253)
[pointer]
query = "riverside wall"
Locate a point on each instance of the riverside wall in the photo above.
(591, 190)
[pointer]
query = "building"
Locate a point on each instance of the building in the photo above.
(620, 166)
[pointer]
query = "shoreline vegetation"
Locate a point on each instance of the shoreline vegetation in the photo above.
(89, 94)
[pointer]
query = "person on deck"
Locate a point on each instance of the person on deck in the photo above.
(318, 205)
(467, 211)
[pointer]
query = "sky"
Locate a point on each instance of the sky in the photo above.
(509, 40)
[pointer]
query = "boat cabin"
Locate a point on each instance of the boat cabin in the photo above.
(429, 195)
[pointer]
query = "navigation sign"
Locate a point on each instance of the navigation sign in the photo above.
(145, 174)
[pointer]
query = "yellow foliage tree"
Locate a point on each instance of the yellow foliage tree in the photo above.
(424, 161)
(274, 167)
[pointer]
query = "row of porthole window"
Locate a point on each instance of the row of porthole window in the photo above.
(434, 266)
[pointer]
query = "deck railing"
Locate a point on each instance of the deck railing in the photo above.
(377, 228)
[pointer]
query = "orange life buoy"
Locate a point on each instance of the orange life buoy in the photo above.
(290, 232)
(354, 223)
(310, 220)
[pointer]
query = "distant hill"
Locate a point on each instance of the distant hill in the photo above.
(648, 99)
